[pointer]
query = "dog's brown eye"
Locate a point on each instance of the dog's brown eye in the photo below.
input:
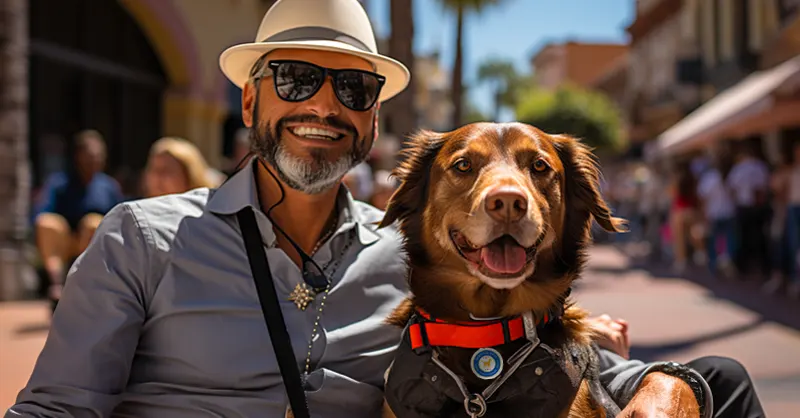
(539, 166)
(463, 165)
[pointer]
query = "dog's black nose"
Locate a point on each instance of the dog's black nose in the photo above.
(506, 204)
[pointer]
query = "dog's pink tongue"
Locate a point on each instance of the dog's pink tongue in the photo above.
(503, 256)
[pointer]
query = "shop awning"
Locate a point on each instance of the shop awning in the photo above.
(714, 119)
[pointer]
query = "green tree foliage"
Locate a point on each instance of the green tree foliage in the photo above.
(584, 114)
(505, 82)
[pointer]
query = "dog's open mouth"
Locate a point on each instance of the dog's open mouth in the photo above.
(501, 258)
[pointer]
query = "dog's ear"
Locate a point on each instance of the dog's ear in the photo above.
(413, 173)
(582, 183)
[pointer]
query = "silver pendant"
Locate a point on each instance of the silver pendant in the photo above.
(302, 296)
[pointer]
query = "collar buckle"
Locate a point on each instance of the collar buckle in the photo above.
(418, 321)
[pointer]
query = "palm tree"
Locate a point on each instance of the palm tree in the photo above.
(13, 139)
(505, 80)
(401, 112)
(461, 7)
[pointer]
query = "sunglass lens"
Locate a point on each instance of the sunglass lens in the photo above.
(297, 81)
(357, 90)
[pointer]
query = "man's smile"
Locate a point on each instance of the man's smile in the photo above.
(316, 132)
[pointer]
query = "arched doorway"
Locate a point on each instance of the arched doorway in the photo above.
(91, 67)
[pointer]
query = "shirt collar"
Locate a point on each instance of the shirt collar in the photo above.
(240, 191)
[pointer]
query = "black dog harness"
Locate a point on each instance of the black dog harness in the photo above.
(536, 381)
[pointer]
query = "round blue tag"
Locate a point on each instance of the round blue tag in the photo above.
(487, 363)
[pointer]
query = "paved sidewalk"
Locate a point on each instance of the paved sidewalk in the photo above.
(677, 319)
(23, 329)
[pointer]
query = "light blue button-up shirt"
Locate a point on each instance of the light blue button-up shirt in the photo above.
(160, 316)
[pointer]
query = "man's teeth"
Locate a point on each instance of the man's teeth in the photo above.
(315, 133)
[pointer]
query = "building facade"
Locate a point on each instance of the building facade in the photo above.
(664, 74)
(572, 62)
(750, 77)
(135, 70)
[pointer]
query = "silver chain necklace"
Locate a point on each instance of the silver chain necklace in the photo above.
(334, 265)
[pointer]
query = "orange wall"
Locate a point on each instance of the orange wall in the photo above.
(586, 62)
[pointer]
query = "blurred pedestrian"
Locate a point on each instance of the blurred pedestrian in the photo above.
(175, 165)
(781, 264)
(385, 185)
(72, 205)
(241, 149)
(683, 217)
(719, 214)
(748, 182)
(793, 225)
(359, 182)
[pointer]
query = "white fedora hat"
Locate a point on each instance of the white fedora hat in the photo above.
(324, 25)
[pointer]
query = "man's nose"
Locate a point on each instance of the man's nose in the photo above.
(324, 103)
(506, 204)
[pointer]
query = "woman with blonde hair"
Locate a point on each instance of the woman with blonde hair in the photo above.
(175, 165)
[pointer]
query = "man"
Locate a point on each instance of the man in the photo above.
(160, 317)
(748, 181)
(719, 211)
(72, 205)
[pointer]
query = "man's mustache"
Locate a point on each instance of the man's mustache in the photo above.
(332, 121)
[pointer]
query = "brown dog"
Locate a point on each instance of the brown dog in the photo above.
(496, 219)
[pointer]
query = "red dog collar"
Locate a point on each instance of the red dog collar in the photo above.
(427, 331)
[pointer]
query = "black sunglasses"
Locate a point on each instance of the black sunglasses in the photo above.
(296, 81)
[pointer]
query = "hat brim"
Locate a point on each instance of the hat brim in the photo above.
(237, 61)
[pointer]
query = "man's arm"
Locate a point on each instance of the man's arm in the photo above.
(623, 378)
(87, 357)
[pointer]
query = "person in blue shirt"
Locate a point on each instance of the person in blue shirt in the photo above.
(71, 206)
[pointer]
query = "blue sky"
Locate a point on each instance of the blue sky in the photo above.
(513, 30)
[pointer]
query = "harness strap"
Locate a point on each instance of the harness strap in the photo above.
(601, 396)
(474, 403)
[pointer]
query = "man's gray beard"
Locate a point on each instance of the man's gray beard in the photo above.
(312, 175)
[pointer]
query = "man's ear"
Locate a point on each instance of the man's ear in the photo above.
(413, 174)
(248, 100)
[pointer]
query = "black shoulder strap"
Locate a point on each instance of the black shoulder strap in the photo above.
(272, 312)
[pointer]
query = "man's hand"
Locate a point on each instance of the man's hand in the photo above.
(662, 396)
(611, 334)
